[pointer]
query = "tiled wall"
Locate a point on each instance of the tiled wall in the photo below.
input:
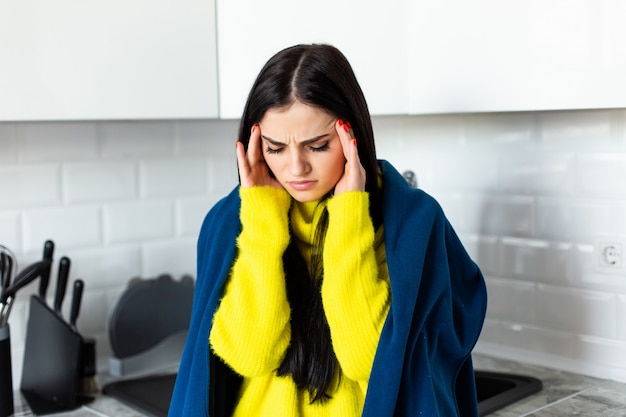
(532, 195)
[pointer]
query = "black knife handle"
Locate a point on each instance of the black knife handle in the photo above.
(48, 252)
(64, 272)
(77, 296)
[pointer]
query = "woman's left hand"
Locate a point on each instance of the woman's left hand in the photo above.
(353, 178)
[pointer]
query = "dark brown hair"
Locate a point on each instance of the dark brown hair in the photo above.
(319, 76)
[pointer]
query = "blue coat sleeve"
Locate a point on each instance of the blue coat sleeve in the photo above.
(423, 361)
(215, 254)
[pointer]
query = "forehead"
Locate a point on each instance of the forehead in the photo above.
(296, 121)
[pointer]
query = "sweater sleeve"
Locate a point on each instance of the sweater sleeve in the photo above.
(355, 291)
(251, 330)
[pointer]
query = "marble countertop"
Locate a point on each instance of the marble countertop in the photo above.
(564, 394)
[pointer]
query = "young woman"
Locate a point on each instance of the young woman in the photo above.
(326, 285)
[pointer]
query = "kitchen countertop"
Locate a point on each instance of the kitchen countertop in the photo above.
(564, 394)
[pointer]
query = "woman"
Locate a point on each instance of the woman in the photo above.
(326, 285)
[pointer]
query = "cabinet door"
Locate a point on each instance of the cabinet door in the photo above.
(493, 55)
(107, 59)
(372, 35)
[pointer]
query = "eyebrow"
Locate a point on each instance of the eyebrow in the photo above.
(304, 142)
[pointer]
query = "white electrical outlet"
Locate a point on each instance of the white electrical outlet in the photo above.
(610, 254)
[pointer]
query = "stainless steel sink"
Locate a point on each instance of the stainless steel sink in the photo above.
(496, 390)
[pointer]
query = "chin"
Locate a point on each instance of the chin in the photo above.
(306, 197)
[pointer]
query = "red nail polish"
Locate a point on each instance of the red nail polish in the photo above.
(349, 125)
(354, 142)
(346, 127)
(340, 122)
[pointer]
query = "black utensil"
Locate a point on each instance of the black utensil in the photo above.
(64, 272)
(7, 264)
(48, 252)
(5, 278)
(77, 296)
(25, 277)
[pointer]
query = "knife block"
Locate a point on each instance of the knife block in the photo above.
(52, 361)
(6, 375)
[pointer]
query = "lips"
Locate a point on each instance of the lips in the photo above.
(302, 185)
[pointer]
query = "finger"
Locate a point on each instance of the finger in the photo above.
(348, 142)
(345, 136)
(254, 145)
(242, 163)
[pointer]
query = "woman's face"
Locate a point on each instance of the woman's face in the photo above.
(302, 148)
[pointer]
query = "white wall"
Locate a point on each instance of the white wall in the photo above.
(530, 194)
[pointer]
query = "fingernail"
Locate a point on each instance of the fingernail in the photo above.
(349, 125)
(346, 127)
(354, 142)
(340, 122)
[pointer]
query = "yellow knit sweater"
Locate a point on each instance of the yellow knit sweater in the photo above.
(251, 330)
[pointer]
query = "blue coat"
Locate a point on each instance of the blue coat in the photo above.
(423, 363)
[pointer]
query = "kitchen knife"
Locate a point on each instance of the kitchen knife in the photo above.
(77, 296)
(48, 251)
(64, 271)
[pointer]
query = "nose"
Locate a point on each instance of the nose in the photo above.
(298, 164)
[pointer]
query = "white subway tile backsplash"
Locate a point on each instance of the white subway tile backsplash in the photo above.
(621, 315)
(530, 195)
(8, 143)
(504, 130)
(102, 181)
(573, 219)
(94, 313)
(499, 215)
(25, 186)
(601, 174)
(104, 268)
(58, 141)
(190, 213)
(222, 175)
(490, 333)
(485, 251)
(137, 139)
(175, 257)
(388, 132)
(206, 138)
(603, 351)
(177, 177)
(138, 221)
(70, 227)
(621, 218)
(589, 129)
(511, 300)
(539, 174)
(434, 131)
(536, 260)
(577, 311)
(589, 272)
(10, 230)
(538, 339)
(466, 171)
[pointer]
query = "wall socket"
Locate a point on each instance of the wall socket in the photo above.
(610, 254)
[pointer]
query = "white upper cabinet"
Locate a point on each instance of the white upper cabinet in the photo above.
(494, 55)
(113, 59)
(372, 34)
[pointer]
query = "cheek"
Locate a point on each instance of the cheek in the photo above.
(272, 162)
(337, 165)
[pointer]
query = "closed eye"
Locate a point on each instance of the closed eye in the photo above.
(321, 148)
(270, 150)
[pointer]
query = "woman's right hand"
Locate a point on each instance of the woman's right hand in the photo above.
(253, 170)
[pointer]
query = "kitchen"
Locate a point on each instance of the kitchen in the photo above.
(535, 193)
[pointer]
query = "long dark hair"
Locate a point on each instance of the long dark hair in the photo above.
(319, 76)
